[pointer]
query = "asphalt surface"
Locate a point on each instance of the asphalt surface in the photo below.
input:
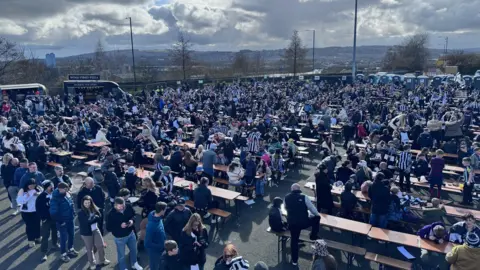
(247, 232)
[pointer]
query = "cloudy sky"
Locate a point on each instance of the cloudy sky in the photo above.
(68, 27)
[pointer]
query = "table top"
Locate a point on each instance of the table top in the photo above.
(310, 140)
(94, 163)
(143, 173)
(459, 212)
(216, 192)
(302, 148)
(345, 224)
(453, 168)
(97, 144)
(408, 240)
(62, 153)
(363, 197)
(189, 145)
(149, 154)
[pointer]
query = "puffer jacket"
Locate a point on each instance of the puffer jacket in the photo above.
(155, 237)
(61, 207)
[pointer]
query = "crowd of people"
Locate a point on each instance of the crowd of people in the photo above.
(251, 128)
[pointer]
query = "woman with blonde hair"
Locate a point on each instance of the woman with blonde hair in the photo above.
(193, 242)
(231, 260)
(149, 196)
(199, 153)
(88, 219)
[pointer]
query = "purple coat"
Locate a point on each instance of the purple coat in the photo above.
(427, 230)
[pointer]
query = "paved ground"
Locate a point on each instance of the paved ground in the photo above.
(248, 233)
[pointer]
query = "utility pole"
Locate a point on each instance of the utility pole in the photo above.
(354, 64)
(313, 50)
(133, 55)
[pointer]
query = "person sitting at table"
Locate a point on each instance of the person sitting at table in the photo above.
(167, 179)
(149, 196)
(139, 157)
(433, 213)
(437, 233)
(131, 179)
(236, 173)
(348, 201)
(176, 161)
(465, 257)
(221, 160)
(101, 136)
(275, 218)
(379, 195)
(322, 260)
(203, 199)
(459, 230)
(385, 170)
(298, 206)
(420, 166)
(60, 177)
(363, 173)
(323, 190)
(344, 172)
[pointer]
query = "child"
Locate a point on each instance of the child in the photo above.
(459, 230)
(131, 180)
(420, 166)
(171, 258)
(468, 178)
(434, 232)
(436, 172)
(275, 218)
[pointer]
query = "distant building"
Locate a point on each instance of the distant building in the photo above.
(50, 60)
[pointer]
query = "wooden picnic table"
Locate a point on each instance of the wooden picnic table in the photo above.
(216, 192)
(62, 153)
(97, 144)
(181, 144)
(460, 212)
(409, 240)
(302, 148)
(94, 163)
(309, 140)
(345, 224)
(149, 154)
(142, 173)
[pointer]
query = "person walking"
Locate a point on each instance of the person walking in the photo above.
(88, 219)
(61, 211)
(49, 227)
(8, 168)
(15, 187)
(193, 242)
(26, 198)
(323, 190)
(298, 206)
(121, 223)
(155, 236)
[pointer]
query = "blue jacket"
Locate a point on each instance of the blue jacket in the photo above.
(155, 236)
(19, 172)
(39, 178)
(61, 207)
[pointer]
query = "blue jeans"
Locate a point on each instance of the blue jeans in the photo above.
(260, 187)
(239, 184)
(379, 221)
(131, 242)
(155, 258)
(67, 233)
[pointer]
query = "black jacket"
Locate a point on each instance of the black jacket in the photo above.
(65, 178)
(324, 191)
(380, 197)
(344, 173)
(116, 218)
(275, 220)
(7, 174)
(147, 201)
(96, 193)
(172, 262)
(202, 197)
(85, 221)
(112, 183)
(175, 222)
(42, 205)
(297, 209)
(192, 254)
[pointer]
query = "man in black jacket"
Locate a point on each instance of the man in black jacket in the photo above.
(298, 206)
(177, 219)
(61, 177)
(203, 198)
(42, 204)
(95, 191)
(379, 194)
(121, 223)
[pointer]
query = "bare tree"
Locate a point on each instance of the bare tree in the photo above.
(295, 54)
(259, 63)
(99, 58)
(10, 53)
(181, 54)
(241, 63)
(467, 63)
(411, 55)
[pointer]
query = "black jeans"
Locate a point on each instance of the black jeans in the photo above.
(406, 176)
(467, 193)
(49, 229)
(295, 232)
(276, 177)
(32, 225)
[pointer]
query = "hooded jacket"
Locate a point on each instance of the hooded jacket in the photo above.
(155, 236)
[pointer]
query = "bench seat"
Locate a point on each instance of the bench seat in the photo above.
(225, 182)
(388, 261)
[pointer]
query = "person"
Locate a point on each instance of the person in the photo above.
(344, 172)
(231, 260)
(208, 159)
(436, 172)
(322, 260)
(348, 202)
(61, 211)
(193, 242)
(96, 193)
(437, 233)
(275, 218)
(112, 182)
(379, 195)
(203, 199)
(171, 257)
(131, 179)
(149, 197)
(323, 190)
(177, 219)
(465, 257)
(167, 179)
(235, 173)
(120, 222)
(468, 182)
(260, 266)
(32, 173)
(298, 206)
(405, 166)
(60, 177)
(198, 175)
(8, 175)
(155, 235)
(420, 166)
(26, 198)
(459, 230)
(88, 219)
(49, 228)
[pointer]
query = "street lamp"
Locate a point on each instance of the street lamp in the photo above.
(354, 64)
(445, 45)
(133, 55)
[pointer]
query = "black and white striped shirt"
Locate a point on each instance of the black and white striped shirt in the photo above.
(405, 160)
